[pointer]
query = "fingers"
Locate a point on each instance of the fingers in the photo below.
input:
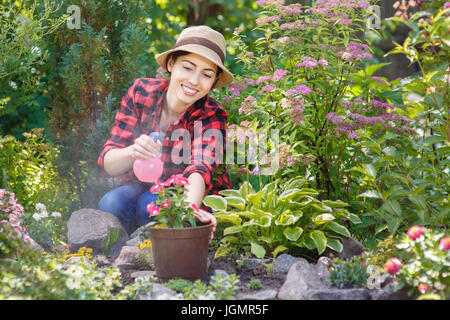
(145, 148)
(206, 217)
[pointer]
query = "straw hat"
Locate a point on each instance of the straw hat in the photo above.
(206, 42)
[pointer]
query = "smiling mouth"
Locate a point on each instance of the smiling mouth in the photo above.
(188, 91)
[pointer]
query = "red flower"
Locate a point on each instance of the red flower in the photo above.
(156, 187)
(176, 179)
(165, 204)
(423, 287)
(195, 207)
(444, 244)
(414, 232)
(154, 211)
(150, 206)
(393, 266)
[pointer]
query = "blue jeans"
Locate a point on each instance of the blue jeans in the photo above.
(128, 203)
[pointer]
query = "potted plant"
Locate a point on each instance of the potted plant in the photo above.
(179, 243)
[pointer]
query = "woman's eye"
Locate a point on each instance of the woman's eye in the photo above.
(208, 76)
(188, 68)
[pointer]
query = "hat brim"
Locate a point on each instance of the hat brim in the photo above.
(225, 77)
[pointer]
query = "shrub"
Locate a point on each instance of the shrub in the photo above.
(282, 216)
(427, 271)
(350, 273)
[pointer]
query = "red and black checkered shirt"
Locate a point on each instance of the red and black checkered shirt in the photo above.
(140, 113)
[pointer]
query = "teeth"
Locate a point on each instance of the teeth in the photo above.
(190, 91)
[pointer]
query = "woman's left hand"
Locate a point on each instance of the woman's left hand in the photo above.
(206, 217)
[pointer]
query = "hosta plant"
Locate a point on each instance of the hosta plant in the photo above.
(282, 216)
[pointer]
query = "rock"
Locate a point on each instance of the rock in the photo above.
(283, 262)
(389, 292)
(134, 241)
(300, 278)
(220, 272)
(261, 295)
(126, 257)
(101, 260)
(257, 266)
(89, 228)
(322, 268)
(142, 274)
(160, 292)
(351, 247)
(339, 294)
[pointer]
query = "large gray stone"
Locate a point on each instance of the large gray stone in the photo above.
(339, 294)
(89, 228)
(283, 262)
(160, 292)
(301, 278)
(126, 257)
(351, 247)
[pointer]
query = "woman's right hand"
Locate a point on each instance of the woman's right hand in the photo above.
(145, 148)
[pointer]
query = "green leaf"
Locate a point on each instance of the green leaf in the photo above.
(257, 250)
(370, 169)
(264, 221)
(236, 202)
(228, 217)
(230, 193)
(334, 244)
(278, 250)
(340, 229)
(371, 194)
(319, 240)
(371, 69)
(245, 189)
(335, 204)
(286, 219)
(232, 230)
(221, 251)
(215, 202)
(292, 233)
(255, 198)
(393, 222)
(288, 194)
(322, 218)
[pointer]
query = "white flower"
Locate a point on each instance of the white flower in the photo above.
(44, 213)
(56, 214)
(13, 85)
(40, 207)
(36, 216)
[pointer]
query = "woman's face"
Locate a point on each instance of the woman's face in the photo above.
(192, 77)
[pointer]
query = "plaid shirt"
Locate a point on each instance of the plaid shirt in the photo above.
(140, 113)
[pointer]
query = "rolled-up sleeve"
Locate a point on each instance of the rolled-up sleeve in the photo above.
(207, 147)
(123, 133)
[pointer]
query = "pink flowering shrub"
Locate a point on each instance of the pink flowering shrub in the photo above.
(301, 75)
(427, 270)
(170, 209)
(14, 235)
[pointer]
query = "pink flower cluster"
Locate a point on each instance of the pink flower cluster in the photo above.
(310, 63)
(378, 113)
(174, 179)
(356, 51)
(10, 215)
(279, 74)
(299, 89)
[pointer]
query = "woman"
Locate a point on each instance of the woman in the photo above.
(196, 66)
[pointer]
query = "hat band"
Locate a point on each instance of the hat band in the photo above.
(203, 42)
